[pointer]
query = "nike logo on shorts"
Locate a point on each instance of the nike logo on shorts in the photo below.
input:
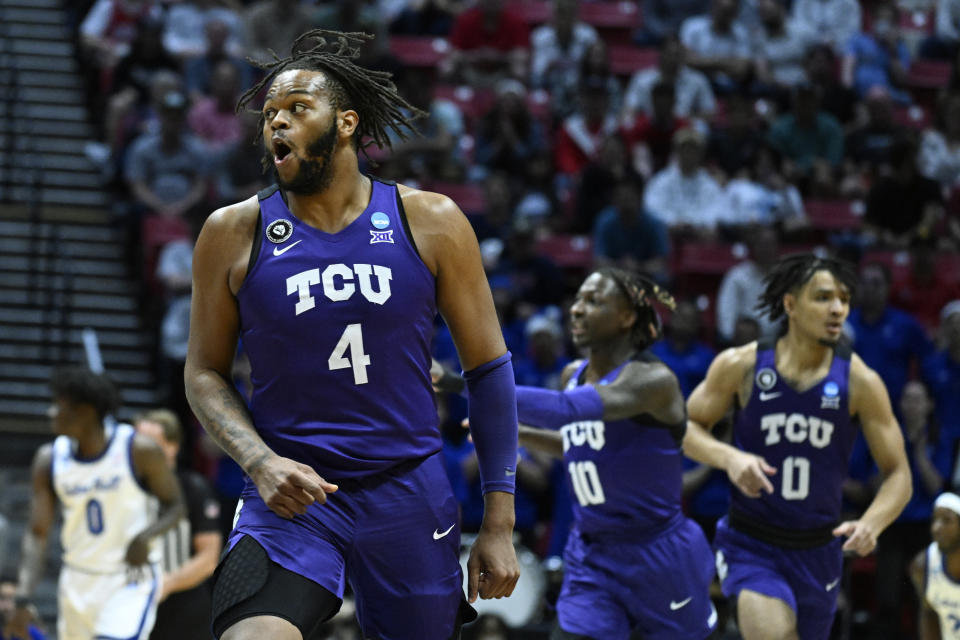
(680, 605)
(437, 535)
(833, 585)
(277, 251)
(764, 396)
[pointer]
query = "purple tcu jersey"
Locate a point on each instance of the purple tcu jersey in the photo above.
(625, 475)
(338, 327)
(807, 436)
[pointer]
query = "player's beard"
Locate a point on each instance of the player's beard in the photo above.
(314, 173)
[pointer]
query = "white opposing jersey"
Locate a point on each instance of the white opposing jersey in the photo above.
(943, 594)
(104, 506)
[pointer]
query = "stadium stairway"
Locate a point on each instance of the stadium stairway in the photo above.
(62, 258)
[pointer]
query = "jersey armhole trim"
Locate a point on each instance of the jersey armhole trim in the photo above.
(257, 241)
(406, 225)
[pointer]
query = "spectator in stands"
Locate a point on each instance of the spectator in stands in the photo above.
(941, 371)
(490, 42)
(132, 79)
(779, 48)
(831, 22)
(166, 172)
(649, 138)
(684, 196)
(496, 220)
(939, 157)
(537, 199)
(214, 118)
(12, 628)
(904, 205)
(508, 135)
(662, 18)
(682, 349)
(693, 96)
(598, 180)
(762, 196)
(629, 237)
(557, 49)
(835, 99)
(810, 139)
(869, 147)
(360, 16)
(273, 25)
(534, 278)
(945, 41)
(436, 153)
(719, 45)
(198, 70)
(926, 289)
(931, 463)
(879, 58)
(596, 63)
(543, 363)
(732, 148)
(186, 25)
(422, 17)
(890, 341)
(110, 27)
(175, 274)
(240, 175)
(580, 135)
(742, 285)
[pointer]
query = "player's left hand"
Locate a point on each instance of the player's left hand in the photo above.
(18, 626)
(138, 551)
(861, 538)
(492, 569)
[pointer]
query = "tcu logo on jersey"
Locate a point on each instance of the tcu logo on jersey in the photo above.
(338, 284)
(577, 434)
(796, 428)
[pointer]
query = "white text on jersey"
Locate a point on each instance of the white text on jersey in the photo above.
(338, 284)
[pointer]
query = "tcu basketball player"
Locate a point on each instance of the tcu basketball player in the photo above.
(332, 281)
(936, 573)
(633, 562)
(108, 482)
(779, 551)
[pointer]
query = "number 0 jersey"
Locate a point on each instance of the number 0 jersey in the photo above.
(807, 436)
(625, 475)
(104, 506)
(337, 327)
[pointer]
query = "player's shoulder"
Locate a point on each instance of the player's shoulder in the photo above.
(741, 359)
(569, 370)
(239, 217)
(429, 207)
(43, 457)
(861, 375)
(440, 230)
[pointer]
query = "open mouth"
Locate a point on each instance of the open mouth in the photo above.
(280, 151)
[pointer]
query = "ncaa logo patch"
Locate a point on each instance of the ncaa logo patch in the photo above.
(380, 220)
(831, 389)
(279, 231)
(831, 396)
(376, 237)
(766, 378)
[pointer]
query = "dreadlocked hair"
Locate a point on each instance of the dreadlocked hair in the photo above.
(372, 94)
(792, 272)
(640, 292)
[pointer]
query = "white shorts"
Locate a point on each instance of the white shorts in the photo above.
(107, 606)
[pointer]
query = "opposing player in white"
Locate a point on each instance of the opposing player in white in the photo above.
(936, 573)
(109, 483)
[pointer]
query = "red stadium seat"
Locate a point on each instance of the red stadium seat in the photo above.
(913, 117)
(474, 103)
(704, 258)
(928, 74)
(834, 215)
(419, 51)
(567, 250)
(626, 59)
(534, 12)
(469, 197)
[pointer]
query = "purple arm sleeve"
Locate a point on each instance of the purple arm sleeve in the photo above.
(493, 423)
(552, 409)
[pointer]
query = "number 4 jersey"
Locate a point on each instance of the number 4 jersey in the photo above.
(806, 436)
(625, 475)
(104, 506)
(337, 327)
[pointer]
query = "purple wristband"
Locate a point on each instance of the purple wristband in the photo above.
(492, 410)
(552, 409)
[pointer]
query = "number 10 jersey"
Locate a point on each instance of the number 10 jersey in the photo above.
(337, 327)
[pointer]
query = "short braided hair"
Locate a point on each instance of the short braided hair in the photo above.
(792, 272)
(372, 94)
(640, 293)
(80, 385)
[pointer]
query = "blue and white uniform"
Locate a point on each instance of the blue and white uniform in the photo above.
(942, 593)
(104, 507)
(337, 327)
(781, 544)
(633, 561)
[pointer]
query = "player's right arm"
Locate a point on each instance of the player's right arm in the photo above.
(43, 505)
(220, 261)
(929, 622)
(708, 403)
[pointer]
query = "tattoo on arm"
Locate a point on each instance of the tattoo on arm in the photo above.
(224, 415)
